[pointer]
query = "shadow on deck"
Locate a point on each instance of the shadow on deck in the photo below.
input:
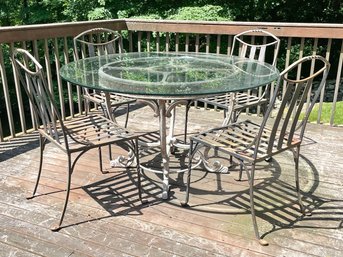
(105, 217)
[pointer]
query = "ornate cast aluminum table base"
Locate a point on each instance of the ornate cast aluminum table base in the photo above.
(167, 142)
(165, 109)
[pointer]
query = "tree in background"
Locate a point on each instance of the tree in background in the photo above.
(17, 12)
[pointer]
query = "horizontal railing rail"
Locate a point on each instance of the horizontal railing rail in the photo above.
(52, 45)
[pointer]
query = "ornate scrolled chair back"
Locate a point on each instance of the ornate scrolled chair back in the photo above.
(33, 80)
(292, 106)
(97, 42)
(255, 50)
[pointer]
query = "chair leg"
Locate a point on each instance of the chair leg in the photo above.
(127, 115)
(100, 162)
(251, 176)
(42, 141)
(86, 102)
(189, 171)
(110, 152)
(234, 116)
(296, 154)
(231, 160)
(70, 171)
(240, 171)
(186, 123)
(136, 151)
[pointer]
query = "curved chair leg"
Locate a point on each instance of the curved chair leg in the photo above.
(189, 171)
(70, 171)
(296, 153)
(42, 141)
(252, 205)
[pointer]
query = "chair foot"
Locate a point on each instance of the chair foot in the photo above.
(30, 197)
(268, 159)
(184, 204)
(308, 213)
(55, 228)
(263, 242)
(144, 201)
(304, 212)
(165, 195)
(104, 171)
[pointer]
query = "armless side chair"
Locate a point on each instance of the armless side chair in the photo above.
(242, 46)
(97, 42)
(76, 135)
(251, 142)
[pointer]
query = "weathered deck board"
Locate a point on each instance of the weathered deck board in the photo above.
(105, 218)
(10, 250)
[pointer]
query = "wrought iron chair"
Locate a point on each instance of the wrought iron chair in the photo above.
(96, 42)
(75, 135)
(269, 47)
(251, 143)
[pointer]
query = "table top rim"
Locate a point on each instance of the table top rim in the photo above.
(193, 94)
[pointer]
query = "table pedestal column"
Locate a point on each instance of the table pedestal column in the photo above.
(164, 147)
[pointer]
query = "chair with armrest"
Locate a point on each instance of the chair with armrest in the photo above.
(74, 136)
(250, 142)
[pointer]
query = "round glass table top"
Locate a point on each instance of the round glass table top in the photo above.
(168, 74)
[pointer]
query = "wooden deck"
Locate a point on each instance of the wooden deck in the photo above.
(105, 218)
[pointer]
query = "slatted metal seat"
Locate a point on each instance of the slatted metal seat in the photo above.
(244, 48)
(250, 143)
(237, 140)
(242, 101)
(96, 42)
(74, 135)
(87, 131)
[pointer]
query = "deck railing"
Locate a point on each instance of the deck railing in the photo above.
(52, 45)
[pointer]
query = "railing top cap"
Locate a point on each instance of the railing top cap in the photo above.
(54, 30)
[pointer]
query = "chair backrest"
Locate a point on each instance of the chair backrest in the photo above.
(286, 123)
(32, 78)
(245, 45)
(96, 42)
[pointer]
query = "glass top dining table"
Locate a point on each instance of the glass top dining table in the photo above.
(166, 75)
(157, 77)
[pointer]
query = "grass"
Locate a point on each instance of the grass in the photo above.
(326, 113)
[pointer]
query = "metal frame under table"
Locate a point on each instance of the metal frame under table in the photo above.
(164, 80)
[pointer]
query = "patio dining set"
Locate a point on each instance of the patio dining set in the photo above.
(112, 78)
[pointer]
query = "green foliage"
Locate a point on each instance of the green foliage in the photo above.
(79, 10)
(44, 11)
(326, 113)
(9, 12)
(204, 13)
(99, 13)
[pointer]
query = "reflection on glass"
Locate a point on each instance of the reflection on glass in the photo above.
(169, 73)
